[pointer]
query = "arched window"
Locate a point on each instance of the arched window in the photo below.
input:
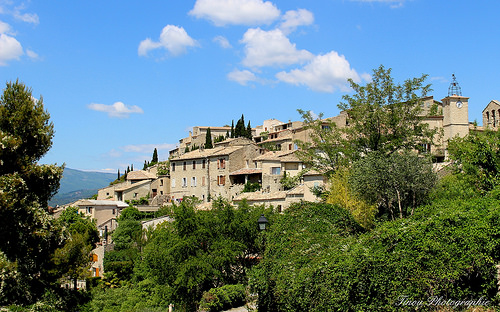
(487, 118)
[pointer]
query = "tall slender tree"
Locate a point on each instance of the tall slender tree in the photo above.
(208, 139)
(154, 160)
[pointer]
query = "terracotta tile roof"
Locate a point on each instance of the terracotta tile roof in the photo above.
(246, 171)
(140, 175)
(93, 202)
(216, 151)
(273, 155)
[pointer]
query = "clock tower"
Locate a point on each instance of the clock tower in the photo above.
(455, 112)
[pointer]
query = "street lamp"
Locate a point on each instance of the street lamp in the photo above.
(262, 222)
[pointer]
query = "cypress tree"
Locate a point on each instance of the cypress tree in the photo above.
(208, 139)
(145, 166)
(118, 174)
(154, 160)
(232, 128)
(249, 131)
(132, 167)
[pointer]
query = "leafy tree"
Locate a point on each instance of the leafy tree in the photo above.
(382, 116)
(341, 194)
(201, 250)
(477, 156)
(397, 183)
(29, 235)
(208, 139)
(73, 259)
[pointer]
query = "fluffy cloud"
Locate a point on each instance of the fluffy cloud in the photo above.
(236, 12)
(294, 19)
(223, 42)
(325, 73)
(10, 48)
(271, 48)
(242, 76)
(172, 38)
(117, 110)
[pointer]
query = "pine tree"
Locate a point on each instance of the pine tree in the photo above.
(208, 139)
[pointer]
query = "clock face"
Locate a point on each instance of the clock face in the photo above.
(459, 104)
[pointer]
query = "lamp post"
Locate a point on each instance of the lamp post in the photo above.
(262, 223)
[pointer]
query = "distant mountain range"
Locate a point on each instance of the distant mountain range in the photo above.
(77, 184)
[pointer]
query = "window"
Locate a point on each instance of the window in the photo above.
(202, 181)
(107, 194)
(276, 170)
(193, 181)
(221, 163)
(161, 182)
(203, 164)
(114, 211)
(89, 209)
(325, 127)
(184, 182)
(290, 146)
(172, 183)
(184, 165)
(135, 195)
(221, 180)
(194, 164)
(173, 166)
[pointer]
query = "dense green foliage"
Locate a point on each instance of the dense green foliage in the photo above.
(223, 298)
(478, 157)
(29, 236)
(180, 260)
(316, 259)
(396, 183)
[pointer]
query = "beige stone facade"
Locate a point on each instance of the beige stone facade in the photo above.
(102, 211)
(206, 173)
(491, 115)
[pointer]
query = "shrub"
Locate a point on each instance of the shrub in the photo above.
(223, 298)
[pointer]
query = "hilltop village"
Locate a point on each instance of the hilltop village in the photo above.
(255, 170)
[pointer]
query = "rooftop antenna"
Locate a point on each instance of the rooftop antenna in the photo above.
(454, 88)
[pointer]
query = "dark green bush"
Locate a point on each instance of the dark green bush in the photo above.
(223, 298)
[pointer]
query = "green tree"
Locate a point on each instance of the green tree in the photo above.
(232, 128)
(249, 131)
(74, 258)
(154, 159)
(382, 116)
(477, 157)
(397, 183)
(208, 139)
(29, 235)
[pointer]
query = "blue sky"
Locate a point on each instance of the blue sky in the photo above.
(120, 78)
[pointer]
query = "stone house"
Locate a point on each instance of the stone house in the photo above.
(139, 184)
(103, 211)
(209, 173)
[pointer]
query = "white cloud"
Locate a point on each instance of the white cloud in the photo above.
(223, 42)
(325, 73)
(242, 76)
(271, 48)
(392, 3)
(236, 12)
(27, 17)
(32, 55)
(10, 49)
(118, 109)
(172, 38)
(294, 19)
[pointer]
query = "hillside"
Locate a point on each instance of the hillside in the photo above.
(76, 184)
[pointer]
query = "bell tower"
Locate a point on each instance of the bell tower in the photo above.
(455, 112)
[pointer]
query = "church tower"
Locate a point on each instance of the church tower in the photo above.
(455, 112)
